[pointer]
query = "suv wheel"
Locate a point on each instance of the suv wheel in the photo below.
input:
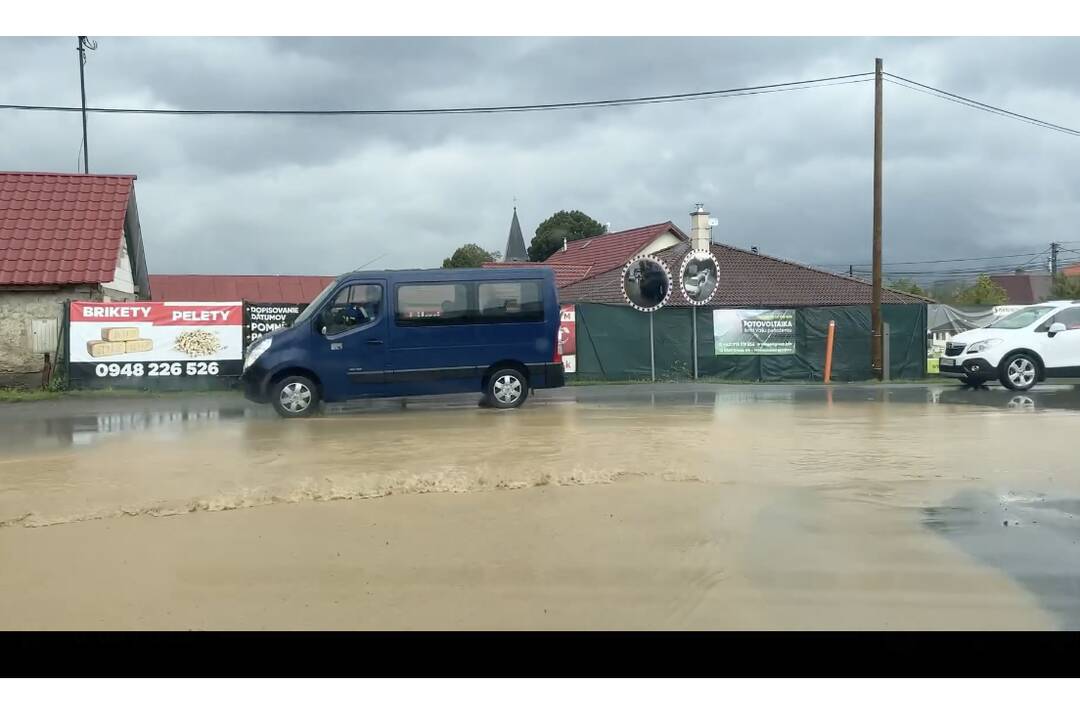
(1020, 372)
(295, 396)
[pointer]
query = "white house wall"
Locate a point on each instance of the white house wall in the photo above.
(123, 281)
(663, 242)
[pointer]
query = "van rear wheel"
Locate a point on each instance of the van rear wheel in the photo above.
(295, 396)
(506, 388)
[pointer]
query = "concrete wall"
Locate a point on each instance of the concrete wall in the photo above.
(18, 366)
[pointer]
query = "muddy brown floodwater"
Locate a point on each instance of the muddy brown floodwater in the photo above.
(598, 508)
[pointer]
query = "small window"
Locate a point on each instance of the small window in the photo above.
(433, 304)
(516, 301)
(352, 307)
(1070, 317)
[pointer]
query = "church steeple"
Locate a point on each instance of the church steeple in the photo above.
(515, 242)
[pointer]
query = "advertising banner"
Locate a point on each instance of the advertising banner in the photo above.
(568, 338)
(145, 341)
(754, 332)
(262, 318)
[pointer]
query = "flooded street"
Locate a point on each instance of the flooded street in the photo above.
(693, 506)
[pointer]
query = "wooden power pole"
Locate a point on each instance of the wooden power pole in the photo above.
(877, 347)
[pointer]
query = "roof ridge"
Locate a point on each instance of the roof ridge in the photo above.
(627, 230)
(71, 175)
(804, 266)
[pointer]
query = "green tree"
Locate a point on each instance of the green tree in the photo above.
(908, 286)
(1065, 288)
(984, 292)
(470, 255)
(568, 224)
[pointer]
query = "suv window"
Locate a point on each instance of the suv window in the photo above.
(352, 307)
(1021, 318)
(1069, 316)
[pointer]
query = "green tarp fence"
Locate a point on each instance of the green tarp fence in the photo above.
(613, 344)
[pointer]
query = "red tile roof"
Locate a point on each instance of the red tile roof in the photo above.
(611, 250)
(746, 279)
(564, 274)
(58, 229)
(253, 288)
(1072, 271)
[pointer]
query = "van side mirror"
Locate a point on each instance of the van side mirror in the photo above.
(1056, 328)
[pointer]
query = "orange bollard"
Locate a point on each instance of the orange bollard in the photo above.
(828, 351)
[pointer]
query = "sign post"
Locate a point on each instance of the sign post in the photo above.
(693, 320)
(652, 349)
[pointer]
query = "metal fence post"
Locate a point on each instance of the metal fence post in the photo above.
(652, 347)
(886, 355)
(693, 321)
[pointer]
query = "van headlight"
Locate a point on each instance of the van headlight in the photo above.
(256, 350)
(983, 345)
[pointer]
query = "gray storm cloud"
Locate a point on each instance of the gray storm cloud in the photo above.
(788, 172)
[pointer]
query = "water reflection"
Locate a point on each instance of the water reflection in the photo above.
(80, 430)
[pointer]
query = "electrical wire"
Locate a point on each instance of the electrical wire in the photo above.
(968, 102)
(933, 262)
(618, 102)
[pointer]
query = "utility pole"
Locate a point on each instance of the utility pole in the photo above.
(1054, 267)
(84, 44)
(876, 348)
(851, 270)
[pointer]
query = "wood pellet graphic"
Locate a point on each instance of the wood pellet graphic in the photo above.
(198, 343)
(119, 341)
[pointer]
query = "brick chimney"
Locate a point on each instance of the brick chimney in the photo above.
(700, 229)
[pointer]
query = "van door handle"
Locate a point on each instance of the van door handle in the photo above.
(374, 341)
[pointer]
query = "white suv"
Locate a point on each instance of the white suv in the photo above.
(1036, 343)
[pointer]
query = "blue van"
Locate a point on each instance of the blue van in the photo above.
(413, 332)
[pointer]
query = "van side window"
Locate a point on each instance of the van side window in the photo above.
(352, 307)
(433, 304)
(515, 301)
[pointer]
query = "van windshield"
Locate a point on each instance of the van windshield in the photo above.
(1021, 318)
(303, 316)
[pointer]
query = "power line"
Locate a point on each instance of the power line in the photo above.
(1034, 263)
(968, 102)
(932, 262)
(619, 102)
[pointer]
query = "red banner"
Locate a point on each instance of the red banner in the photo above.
(159, 313)
(567, 331)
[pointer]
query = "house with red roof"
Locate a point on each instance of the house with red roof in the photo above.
(585, 258)
(62, 237)
(590, 271)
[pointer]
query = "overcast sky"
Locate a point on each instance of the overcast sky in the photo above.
(789, 172)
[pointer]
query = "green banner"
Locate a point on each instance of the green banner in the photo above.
(754, 332)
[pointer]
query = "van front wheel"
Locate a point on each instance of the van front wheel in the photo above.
(506, 388)
(295, 396)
